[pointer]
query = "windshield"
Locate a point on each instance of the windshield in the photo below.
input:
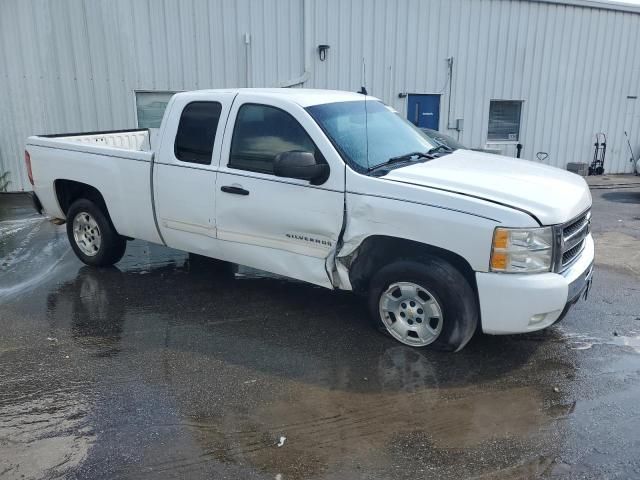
(443, 139)
(368, 135)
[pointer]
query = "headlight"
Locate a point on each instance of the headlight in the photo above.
(522, 250)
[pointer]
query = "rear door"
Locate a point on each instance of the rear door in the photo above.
(185, 170)
(282, 225)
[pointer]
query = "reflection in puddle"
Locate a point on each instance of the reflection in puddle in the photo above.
(11, 227)
(44, 432)
(576, 341)
(31, 257)
(632, 342)
(406, 370)
(336, 428)
(581, 345)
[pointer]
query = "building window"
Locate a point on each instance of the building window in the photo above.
(197, 132)
(504, 120)
(150, 108)
(262, 132)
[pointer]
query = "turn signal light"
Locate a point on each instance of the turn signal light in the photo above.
(501, 238)
(499, 261)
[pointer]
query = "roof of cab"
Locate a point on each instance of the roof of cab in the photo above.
(305, 97)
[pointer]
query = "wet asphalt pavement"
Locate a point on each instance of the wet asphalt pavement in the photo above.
(175, 367)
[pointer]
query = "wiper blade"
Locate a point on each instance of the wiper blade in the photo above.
(409, 156)
(403, 158)
(440, 148)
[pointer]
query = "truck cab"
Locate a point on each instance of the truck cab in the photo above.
(335, 189)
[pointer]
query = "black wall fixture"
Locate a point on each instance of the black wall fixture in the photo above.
(322, 52)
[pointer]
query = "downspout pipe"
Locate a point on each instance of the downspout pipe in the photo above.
(247, 64)
(450, 65)
(306, 42)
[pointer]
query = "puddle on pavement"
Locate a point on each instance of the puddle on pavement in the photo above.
(576, 341)
(30, 246)
(622, 196)
(629, 342)
(43, 429)
(287, 360)
(29, 255)
(12, 227)
(202, 364)
(325, 427)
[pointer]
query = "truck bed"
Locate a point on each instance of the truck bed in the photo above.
(137, 140)
(117, 163)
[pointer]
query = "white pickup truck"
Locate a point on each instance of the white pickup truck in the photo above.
(335, 189)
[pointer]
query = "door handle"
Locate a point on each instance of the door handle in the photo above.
(234, 190)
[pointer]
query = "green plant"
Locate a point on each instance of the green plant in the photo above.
(4, 181)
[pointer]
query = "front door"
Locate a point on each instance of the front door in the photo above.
(282, 225)
(424, 110)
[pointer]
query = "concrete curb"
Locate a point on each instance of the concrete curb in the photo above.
(613, 181)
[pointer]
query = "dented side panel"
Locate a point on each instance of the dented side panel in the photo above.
(282, 225)
(453, 222)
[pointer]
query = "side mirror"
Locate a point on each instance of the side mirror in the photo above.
(300, 165)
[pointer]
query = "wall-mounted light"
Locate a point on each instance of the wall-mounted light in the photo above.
(402, 95)
(322, 52)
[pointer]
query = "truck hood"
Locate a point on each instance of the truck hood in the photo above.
(549, 194)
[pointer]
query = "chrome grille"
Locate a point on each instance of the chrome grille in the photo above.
(573, 237)
(574, 226)
(571, 254)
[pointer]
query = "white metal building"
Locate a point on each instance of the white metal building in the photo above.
(548, 74)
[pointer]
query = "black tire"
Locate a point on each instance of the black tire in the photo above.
(112, 245)
(447, 286)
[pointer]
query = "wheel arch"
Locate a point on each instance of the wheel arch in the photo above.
(68, 191)
(376, 251)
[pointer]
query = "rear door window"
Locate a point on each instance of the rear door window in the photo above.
(197, 132)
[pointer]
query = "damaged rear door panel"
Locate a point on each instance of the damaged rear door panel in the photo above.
(283, 225)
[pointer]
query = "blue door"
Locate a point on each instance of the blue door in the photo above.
(424, 111)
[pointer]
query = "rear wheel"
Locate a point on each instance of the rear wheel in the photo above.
(92, 236)
(424, 303)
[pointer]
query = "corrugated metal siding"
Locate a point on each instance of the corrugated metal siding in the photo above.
(73, 65)
(572, 66)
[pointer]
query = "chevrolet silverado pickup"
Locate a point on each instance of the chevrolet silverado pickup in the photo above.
(338, 190)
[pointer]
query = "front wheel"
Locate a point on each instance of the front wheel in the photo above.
(92, 236)
(425, 303)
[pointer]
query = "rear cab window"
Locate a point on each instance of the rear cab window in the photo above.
(197, 132)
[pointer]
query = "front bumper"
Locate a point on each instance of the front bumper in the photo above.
(520, 303)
